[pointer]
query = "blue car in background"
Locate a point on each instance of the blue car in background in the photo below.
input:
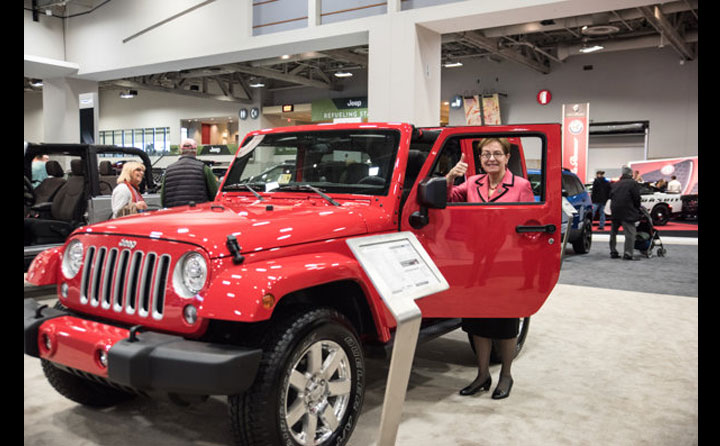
(580, 236)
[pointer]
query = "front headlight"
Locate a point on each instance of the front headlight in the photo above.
(190, 274)
(72, 259)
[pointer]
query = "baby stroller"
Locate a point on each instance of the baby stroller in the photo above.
(647, 236)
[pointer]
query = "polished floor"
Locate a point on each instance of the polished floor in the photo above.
(607, 362)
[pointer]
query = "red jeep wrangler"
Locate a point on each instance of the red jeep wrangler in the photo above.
(257, 295)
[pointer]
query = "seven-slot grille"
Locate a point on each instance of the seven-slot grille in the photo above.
(121, 280)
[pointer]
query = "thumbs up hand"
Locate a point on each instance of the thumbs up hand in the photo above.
(460, 169)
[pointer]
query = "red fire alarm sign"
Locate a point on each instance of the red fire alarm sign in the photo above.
(544, 97)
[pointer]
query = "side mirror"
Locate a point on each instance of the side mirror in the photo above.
(432, 193)
(565, 193)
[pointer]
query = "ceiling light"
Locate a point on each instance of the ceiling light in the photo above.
(128, 94)
(36, 82)
(256, 84)
(343, 74)
(285, 56)
(591, 49)
(453, 64)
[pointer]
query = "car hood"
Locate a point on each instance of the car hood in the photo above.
(257, 226)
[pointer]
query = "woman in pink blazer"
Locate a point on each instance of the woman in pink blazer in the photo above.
(498, 184)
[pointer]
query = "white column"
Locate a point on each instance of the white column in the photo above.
(61, 108)
(314, 11)
(404, 73)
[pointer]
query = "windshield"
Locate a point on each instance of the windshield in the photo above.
(357, 161)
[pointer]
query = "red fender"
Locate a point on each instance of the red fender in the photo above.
(237, 293)
(45, 266)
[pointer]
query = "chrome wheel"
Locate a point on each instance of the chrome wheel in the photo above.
(318, 392)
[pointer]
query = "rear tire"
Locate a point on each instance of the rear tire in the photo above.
(660, 215)
(584, 242)
(522, 335)
(310, 384)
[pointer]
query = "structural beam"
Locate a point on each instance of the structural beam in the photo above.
(195, 94)
(492, 46)
(658, 20)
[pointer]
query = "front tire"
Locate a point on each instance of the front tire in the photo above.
(310, 385)
(81, 390)
(660, 215)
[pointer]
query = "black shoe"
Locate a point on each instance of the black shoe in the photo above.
(476, 386)
(499, 394)
(614, 255)
(627, 257)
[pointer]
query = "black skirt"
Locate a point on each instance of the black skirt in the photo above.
(493, 328)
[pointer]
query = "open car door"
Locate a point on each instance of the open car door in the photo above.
(501, 259)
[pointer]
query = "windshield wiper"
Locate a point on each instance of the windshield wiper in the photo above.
(308, 187)
(248, 186)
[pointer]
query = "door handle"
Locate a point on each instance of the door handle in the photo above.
(543, 228)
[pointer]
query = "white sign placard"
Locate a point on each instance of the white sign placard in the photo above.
(398, 266)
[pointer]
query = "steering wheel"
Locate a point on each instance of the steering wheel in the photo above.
(372, 179)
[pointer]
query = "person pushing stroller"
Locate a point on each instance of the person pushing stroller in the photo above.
(625, 209)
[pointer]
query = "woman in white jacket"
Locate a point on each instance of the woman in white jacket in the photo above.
(126, 198)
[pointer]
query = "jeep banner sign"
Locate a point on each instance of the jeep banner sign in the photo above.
(214, 150)
(575, 138)
(339, 108)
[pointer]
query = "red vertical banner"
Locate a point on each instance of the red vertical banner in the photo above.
(205, 134)
(575, 138)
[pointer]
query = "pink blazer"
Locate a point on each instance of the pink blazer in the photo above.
(475, 190)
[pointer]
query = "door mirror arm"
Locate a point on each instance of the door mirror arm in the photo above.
(432, 193)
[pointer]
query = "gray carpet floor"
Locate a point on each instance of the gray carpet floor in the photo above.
(610, 359)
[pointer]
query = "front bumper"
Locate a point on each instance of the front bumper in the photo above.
(150, 362)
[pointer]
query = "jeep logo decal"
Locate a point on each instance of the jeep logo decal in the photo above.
(127, 243)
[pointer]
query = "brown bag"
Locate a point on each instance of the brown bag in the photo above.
(128, 209)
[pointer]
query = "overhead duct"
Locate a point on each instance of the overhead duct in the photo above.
(653, 41)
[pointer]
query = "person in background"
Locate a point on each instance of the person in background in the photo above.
(600, 195)
(38, 169)
(661, 185)
(674, 186)
(188, 179)
(625, 209)
(637, 177)
(126, 198)
(498, 184)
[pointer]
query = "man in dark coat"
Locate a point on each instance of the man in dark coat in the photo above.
(600, 195)
(187, 179)
(625, 209)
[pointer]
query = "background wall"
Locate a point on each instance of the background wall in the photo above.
(636, 85)
(33, 122)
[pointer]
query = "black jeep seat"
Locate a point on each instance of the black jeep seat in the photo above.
(108, 180)
(66, 210)
(45, 192)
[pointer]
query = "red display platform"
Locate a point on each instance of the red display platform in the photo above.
(674, 228)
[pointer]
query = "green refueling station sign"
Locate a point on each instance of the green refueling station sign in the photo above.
(329, 109)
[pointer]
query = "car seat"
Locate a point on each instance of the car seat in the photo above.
(108, 179)
(66, 210)
(45, 192)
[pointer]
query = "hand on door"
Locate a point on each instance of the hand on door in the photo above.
(459, 170)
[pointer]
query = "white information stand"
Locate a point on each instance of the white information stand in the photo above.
(401, 271)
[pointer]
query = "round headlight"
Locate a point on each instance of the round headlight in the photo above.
(72, 258)
(190, 274)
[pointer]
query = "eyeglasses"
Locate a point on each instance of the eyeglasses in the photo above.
(487, 155)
